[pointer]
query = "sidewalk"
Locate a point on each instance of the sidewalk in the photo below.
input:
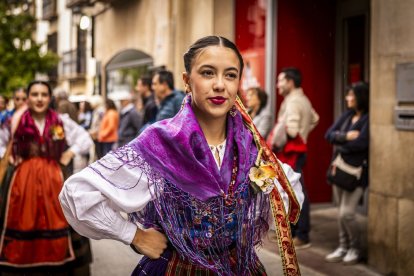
(324, 238)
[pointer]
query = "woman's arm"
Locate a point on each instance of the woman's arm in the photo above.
(93, 199)
(77, 137)
(334, 134)
(361, 142)
(294, 179)
(4, 139)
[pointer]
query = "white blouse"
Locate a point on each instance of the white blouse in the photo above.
(218, 151)
(77, 138)
(4, 139)
(92, 206)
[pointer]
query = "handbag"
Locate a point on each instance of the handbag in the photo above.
(343, 175)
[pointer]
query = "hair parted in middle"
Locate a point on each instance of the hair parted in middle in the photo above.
(205, 42)
(45, 83)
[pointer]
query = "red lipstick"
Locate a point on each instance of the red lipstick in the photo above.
(217, 100)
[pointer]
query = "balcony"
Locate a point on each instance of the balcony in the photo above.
(52, 40)
(49, 10)
(20, 6)
(74, 64)
(13, 2)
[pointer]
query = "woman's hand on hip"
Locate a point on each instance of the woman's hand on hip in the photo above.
(150, 242)
(66, 157)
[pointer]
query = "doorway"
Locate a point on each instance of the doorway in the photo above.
(352, 48)
(123, 70)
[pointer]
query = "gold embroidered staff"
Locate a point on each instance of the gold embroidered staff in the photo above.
(284, 238)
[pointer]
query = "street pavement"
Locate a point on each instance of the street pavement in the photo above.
(115, 258)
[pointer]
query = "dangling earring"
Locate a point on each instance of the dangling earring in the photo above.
(187, 89)
(233, 111)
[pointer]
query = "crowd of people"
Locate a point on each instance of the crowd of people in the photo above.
(350, 137)
(150, 147)
(42, 136)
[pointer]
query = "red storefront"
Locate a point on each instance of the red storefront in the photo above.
(306, 37)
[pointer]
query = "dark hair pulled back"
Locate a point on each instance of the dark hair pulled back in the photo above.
(208, 41)
(45, 83)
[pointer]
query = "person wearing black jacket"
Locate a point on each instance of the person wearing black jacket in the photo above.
(130, 120)
(150, 109)
(350, 137)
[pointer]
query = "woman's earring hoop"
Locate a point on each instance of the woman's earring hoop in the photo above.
(233, 111)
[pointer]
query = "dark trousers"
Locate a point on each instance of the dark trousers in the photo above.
(106, 147)
(302, 228)
(98, 149)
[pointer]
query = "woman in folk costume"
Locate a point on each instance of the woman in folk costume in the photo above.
(186, 181)
(35, 236)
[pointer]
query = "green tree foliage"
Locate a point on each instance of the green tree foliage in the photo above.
(20, 55)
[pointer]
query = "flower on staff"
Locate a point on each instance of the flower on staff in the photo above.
(57, 132)
(261, 177)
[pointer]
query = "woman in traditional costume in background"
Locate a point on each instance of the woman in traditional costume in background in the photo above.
(186, 180)
(35, 236)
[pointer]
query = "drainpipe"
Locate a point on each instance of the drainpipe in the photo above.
(270, 54)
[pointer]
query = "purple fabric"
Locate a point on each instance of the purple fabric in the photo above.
(201, 225)
(148, 266)
(178, 150)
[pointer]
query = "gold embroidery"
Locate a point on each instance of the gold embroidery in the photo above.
(284, 238)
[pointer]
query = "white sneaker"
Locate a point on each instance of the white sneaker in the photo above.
(337, 255)
(351, 257)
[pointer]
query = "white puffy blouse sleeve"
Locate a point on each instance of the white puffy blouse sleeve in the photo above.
(77, 137)
(294, 179)
(93, 199)
(4, 139)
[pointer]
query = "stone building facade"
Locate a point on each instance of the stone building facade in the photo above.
(391, 198)
(159, 31)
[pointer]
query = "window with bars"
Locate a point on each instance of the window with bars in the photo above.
(74, 61)
(52, 46)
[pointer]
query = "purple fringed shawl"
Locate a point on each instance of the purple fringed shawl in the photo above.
(189, 205)
(178, 150)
